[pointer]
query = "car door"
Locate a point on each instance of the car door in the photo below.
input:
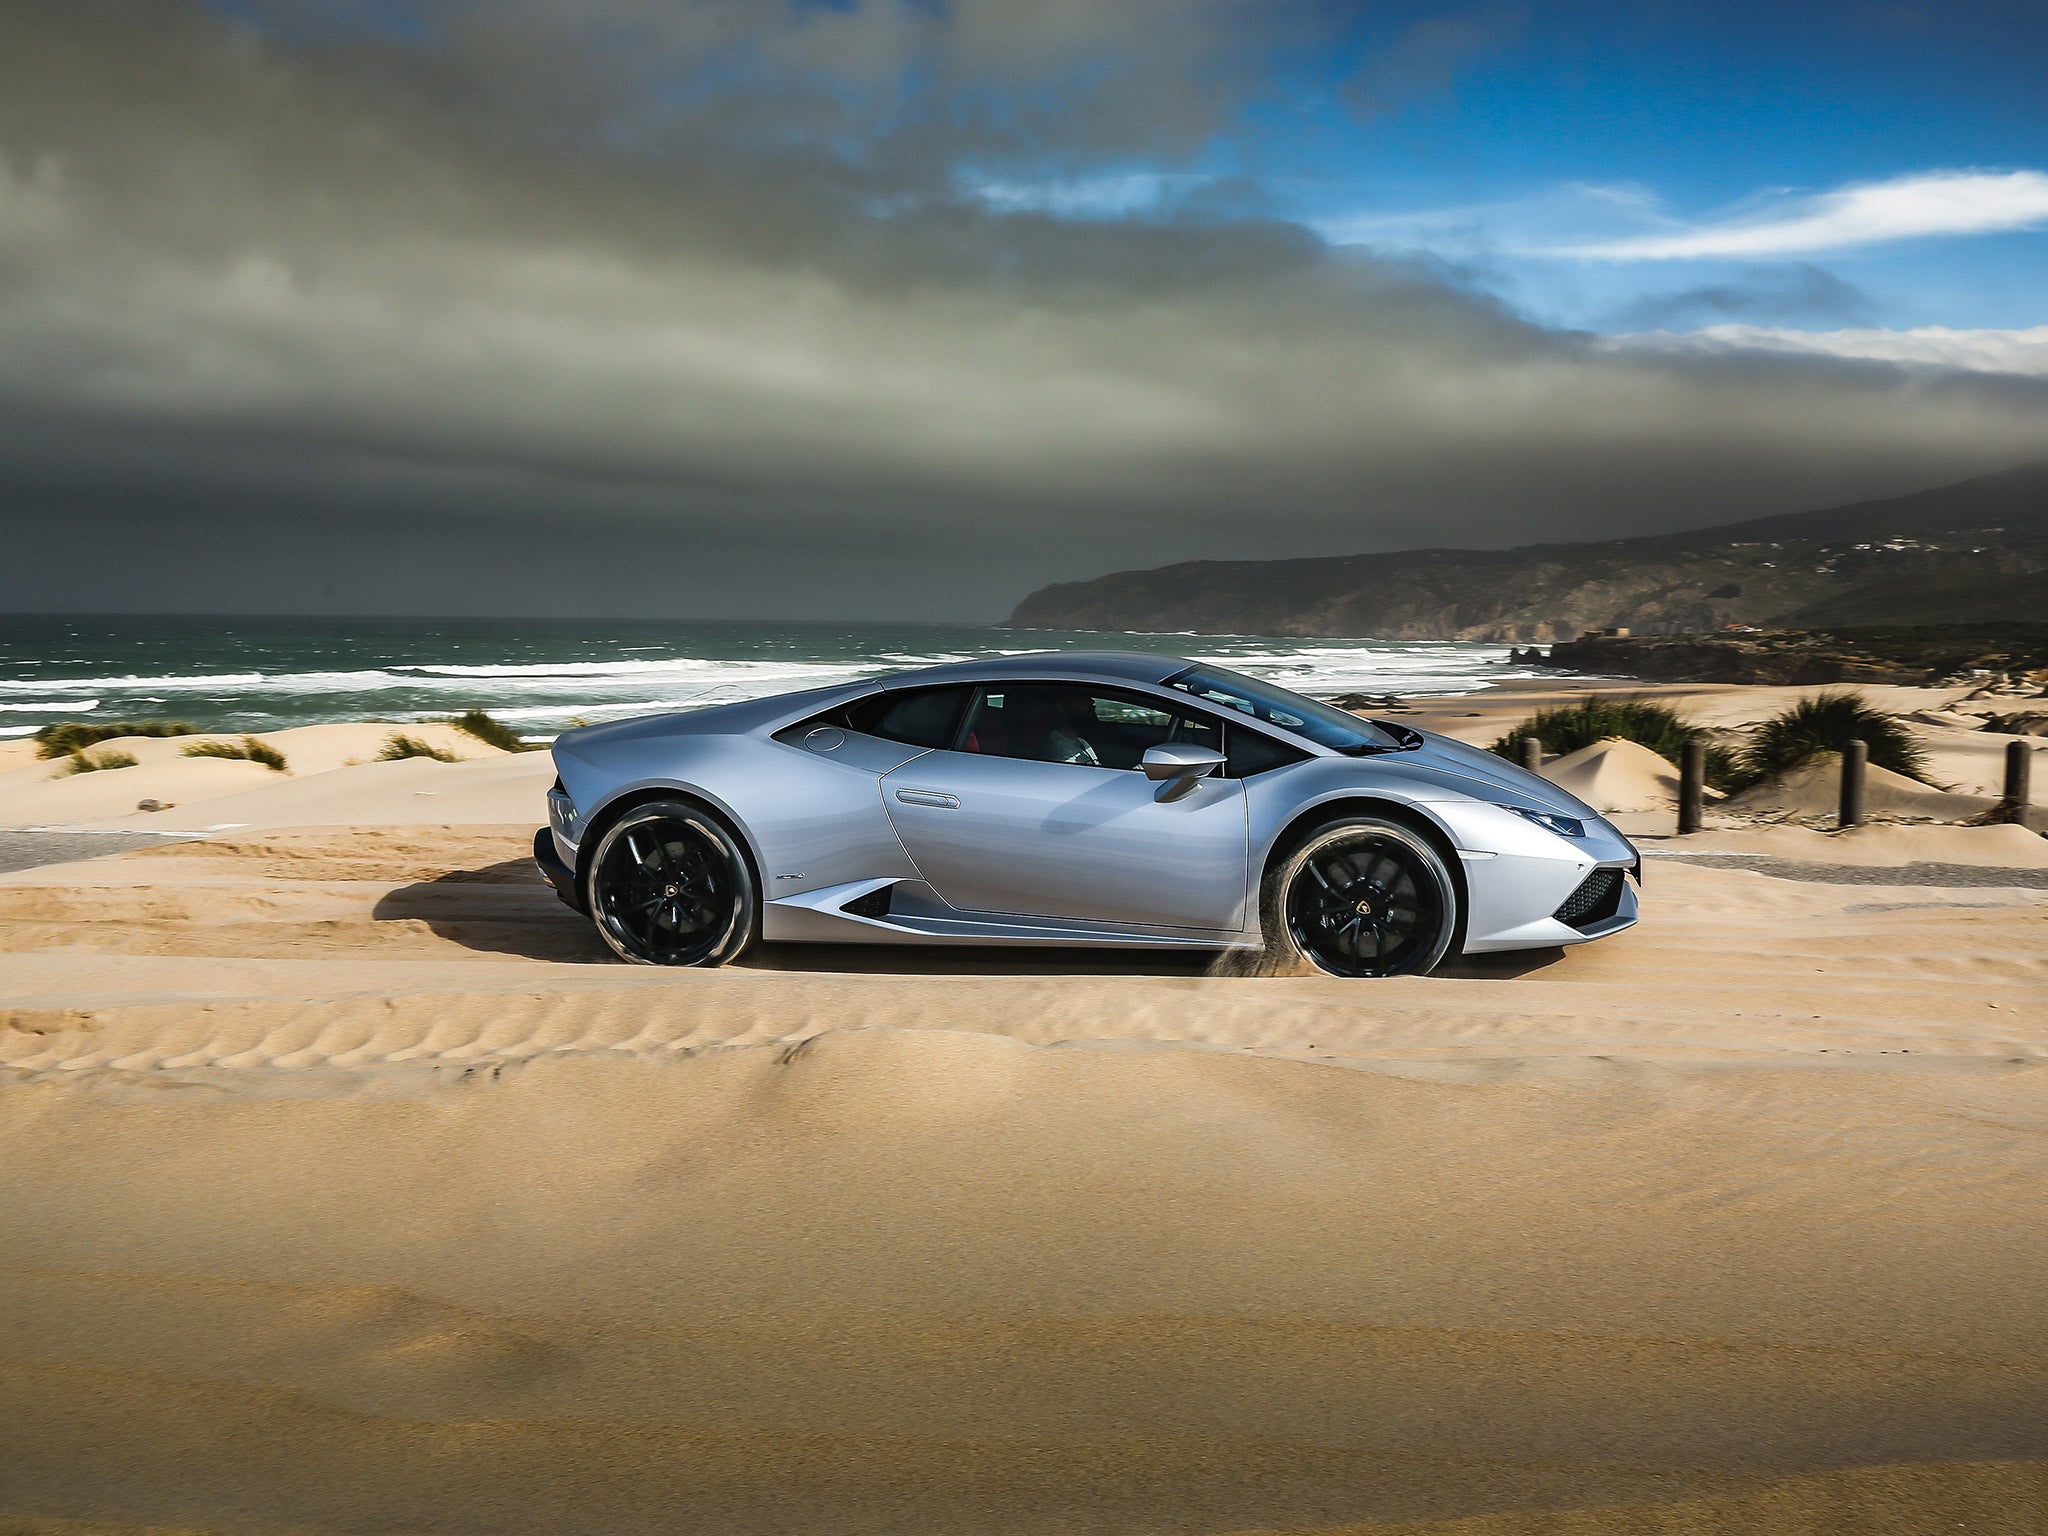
(1041, 809)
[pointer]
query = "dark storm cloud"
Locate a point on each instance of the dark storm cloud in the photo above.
(1428, 54)
(698, 308)
(1796, 294)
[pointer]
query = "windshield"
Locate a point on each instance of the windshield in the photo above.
(1323, 724)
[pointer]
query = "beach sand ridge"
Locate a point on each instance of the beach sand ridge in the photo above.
(346, 1186)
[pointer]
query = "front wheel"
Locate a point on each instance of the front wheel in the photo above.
(669, 885)
(1359, 897)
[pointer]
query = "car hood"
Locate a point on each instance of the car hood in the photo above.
(1491, 777)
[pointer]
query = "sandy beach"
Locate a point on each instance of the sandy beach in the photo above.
(346, 1187)
(390, 389)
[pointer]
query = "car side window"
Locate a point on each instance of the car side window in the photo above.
(923, 717)
(1071, 723)
(1252, 753)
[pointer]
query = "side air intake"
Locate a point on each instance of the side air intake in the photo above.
(874, 904)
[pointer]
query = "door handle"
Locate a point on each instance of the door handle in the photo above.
(929, 797)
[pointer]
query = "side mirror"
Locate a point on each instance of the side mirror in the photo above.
(1181, 760)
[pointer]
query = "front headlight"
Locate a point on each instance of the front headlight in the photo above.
(1563, 826)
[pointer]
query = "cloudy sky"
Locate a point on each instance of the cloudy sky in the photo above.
(900, 308)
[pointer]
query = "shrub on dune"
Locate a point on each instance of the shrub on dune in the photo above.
(1662, 729)
(1828, 722)
(398, 746)
(492, 733)
(95, 762)
(248, 749)
(68, 736)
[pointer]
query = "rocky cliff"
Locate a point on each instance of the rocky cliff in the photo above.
(1976, 551)
(1994, 655)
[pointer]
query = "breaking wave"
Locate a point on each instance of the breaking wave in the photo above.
(545, 677)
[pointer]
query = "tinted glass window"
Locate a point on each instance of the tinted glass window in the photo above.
(1068, 723)
(1323, 724)
(927, 717)
(1252, 753)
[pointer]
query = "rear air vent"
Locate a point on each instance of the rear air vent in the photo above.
(874, 904)
(1597, 899)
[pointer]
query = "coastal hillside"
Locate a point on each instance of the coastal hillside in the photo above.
(1976, 551)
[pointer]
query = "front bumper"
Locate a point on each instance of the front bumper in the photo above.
(1509, 915)
(1522, 880)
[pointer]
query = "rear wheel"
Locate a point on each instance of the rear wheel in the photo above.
(1360, 897)
(669, 885)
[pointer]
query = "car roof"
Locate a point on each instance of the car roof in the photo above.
(1047, 666)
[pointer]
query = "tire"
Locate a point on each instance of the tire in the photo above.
(1358, 896)
(669, 884)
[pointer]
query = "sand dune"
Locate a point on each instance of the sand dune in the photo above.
(343, 1187)
(36, 792)
(1875, 844)
(1481, 717)
(1960, 756)
(346, 1186)
(1972, 762)
(1616, 776)
(948, 1281)
(416, 791)
(112, 793)
(1814, 788)
(207, 793)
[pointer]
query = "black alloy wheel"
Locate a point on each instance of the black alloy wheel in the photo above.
(1363, 897)
(668, 885)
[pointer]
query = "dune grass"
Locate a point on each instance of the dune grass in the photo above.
(1828, 722)
(248, 749)
(492, 733)
(67, 737)
(398, 746)
(1568, 727)
(97, 762)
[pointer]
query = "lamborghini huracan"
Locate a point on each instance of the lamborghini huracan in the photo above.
(1071, 798)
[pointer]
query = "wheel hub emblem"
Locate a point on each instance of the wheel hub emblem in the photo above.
(670, 891)
(1365, 909)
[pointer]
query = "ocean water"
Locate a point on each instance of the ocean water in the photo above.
(541, 676)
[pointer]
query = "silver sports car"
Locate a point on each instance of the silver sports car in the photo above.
(1069, 798)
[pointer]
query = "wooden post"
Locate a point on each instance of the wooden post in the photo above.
(1855, 758)
(1532, 753)
(1692, 785)
(2019, 776)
